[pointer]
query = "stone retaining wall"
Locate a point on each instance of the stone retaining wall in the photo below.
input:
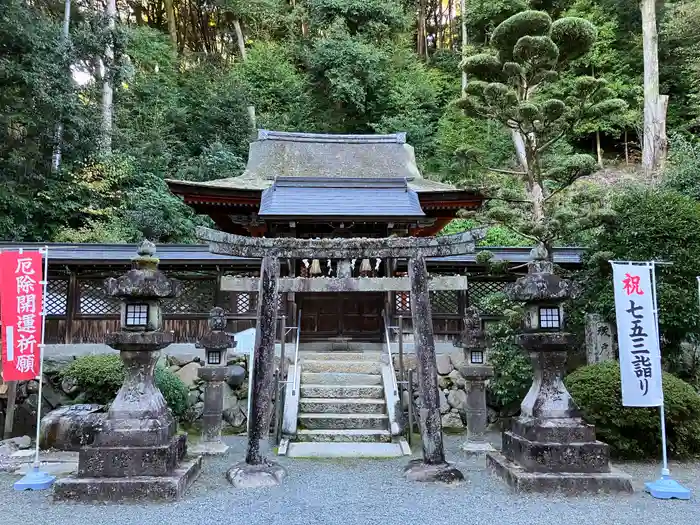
(57, 393)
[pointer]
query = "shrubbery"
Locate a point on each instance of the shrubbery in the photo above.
(511, 365)
(174, 391)
(650, 224)
(99, 377)
(631, 432)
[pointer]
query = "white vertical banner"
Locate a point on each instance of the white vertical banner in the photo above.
(637, 335)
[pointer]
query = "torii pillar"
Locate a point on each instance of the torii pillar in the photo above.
(433, 466)
(256, 470)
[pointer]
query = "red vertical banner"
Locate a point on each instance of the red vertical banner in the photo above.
(21, 295)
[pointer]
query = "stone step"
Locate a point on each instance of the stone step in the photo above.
(344, 450)
(339, 378)
(343, 391)
(337, 355)
(349, 367)
(348, 435)
(344, 421)
(346, 405)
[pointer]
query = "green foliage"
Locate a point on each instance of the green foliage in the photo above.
(373, 18)
(174, 391)
(35, 91)
(679, 64)
(412, 102)
(190, 124)
(347, 73)
(573, 37)
(99, 377)
(125, 205)
(453, 161)
(510, 31)
(362, 77)
(632, 432)
(483, 16)
(650, 224)
(495, 235)
(608, 58)
(280, 92)
(512, 369)
(682, 172)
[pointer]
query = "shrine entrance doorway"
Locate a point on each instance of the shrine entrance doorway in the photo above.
(350, 315)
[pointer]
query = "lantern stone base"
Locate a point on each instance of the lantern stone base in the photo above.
(112, 462)
(134, 488)
(521, 480)
(536, 456)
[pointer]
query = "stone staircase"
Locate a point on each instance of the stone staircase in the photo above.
(342, 408)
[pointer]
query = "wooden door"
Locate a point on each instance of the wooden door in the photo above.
(362, 316)
(356, 315)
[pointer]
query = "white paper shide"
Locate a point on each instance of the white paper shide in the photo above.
(640, 356)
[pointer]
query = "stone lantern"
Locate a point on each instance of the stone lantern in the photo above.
(476, 372)
(216, 343)
(137, 453)
(549, 447)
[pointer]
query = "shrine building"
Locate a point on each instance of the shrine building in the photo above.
(315, 186)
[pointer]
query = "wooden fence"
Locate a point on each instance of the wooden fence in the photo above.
(78, 311)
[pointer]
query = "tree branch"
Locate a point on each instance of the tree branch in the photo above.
(507, 172)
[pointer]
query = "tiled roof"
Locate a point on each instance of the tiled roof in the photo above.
(88, 253)
(334, 197)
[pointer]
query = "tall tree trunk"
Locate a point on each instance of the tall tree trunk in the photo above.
(465, 41)
(598, 149)
(239, 38)
(244, 56)
(627, 150)
(654, 109)
(519, 144)
(58, 137)
(172, 27)
(107, 89)
(421, 47)
(537, 198)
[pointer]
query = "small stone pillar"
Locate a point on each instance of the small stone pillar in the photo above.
(216, 343)
(256, 470)
(433, 466)
(136, 454)
(475, 371)
(599, 339)
(549, 447)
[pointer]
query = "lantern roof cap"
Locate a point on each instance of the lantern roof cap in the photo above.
(540, 284)
(144, 281)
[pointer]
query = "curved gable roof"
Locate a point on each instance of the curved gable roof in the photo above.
(285, 154)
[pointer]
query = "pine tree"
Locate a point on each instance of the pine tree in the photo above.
(509, 85)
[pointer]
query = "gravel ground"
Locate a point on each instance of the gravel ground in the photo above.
(365, 492)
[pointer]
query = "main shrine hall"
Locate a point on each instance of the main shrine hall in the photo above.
(316, 186)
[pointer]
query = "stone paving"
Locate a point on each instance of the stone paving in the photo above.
(365, 492)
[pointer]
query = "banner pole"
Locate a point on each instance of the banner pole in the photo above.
(662, 411)
(45, 285)
(665, 487)
(36, 479)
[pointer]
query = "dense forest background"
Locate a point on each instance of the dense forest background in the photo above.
(93, 120)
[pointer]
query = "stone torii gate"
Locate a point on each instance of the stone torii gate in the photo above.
(257, 470)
